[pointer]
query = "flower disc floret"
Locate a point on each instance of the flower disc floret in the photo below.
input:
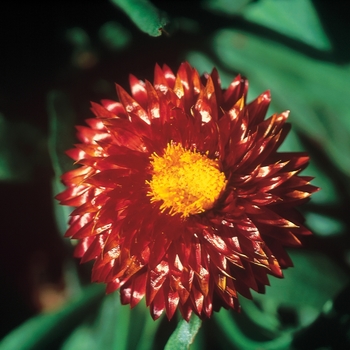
(186, 181)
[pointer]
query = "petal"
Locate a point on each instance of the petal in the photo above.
(138, 90)
(156, 278)
(132, 108)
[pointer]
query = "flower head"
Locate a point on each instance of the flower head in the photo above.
(181, 196)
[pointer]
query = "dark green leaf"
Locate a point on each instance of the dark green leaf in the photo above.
(236, 339)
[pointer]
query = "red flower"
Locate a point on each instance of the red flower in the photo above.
(182, 197)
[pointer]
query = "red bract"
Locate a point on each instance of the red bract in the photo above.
(181, 196)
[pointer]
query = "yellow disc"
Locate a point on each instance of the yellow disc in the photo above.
(186, 181)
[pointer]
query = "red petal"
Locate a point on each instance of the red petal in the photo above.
(171, 300)
(157, 306)
(257, 109)
(114, 107)
(236, 90)
(138, 90)
(169, 76)
(101, 112)
(156, 278)
(138, 288)
(153, 102)
(132, 108)
(162, 80)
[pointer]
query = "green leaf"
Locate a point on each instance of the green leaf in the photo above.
(297, 19)
(324, 225)
(43, 331)
(146, 327)
(107, 330)
(145, 15)
(184, 334)
(236, 339)
(227, 7)
(115, 326)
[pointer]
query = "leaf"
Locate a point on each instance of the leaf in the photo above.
(107, 330)
(323, 225)
(297, 19)
(43, 331)
(145, 15)
(147, 333)
(331, 327)
(184, 334)
(115, 326)
(235, 338)
(226, 6)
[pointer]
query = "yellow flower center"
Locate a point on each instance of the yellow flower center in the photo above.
(186, 181)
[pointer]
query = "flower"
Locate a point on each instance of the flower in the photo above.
(181, 196)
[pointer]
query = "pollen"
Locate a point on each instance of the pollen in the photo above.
(187, 182)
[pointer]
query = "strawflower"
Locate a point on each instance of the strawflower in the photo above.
(181, 197)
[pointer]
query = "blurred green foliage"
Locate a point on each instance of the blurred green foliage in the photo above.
(115, 36)
(279, 45)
